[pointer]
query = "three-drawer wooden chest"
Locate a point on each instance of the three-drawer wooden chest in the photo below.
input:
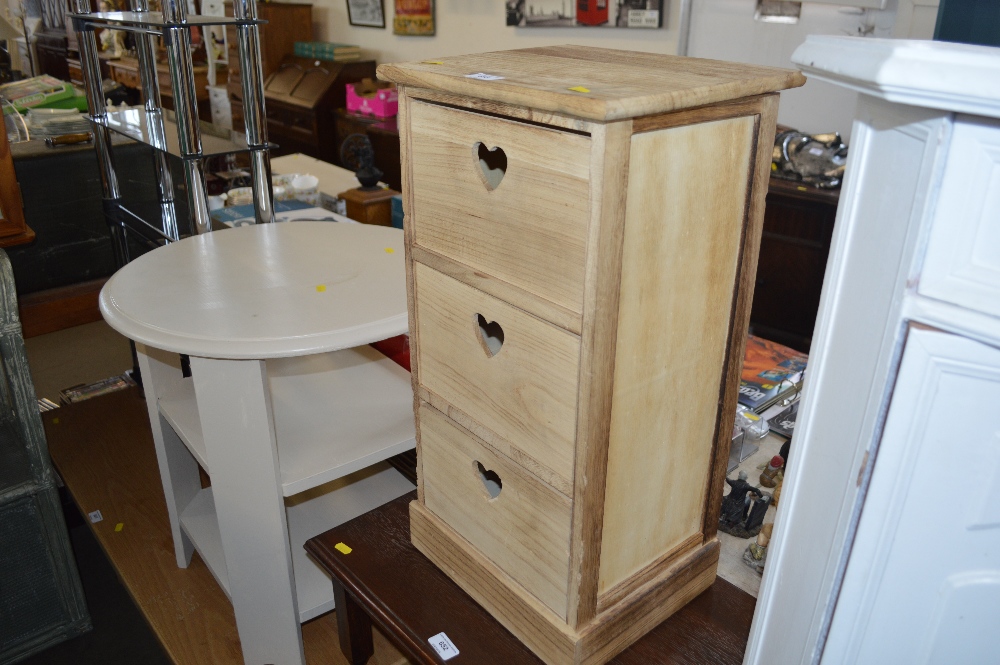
(582, 228)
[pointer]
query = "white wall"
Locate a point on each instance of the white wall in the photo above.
(474, 26)
(726, 30)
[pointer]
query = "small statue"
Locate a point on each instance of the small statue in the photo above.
(743, 509)
(356, 153)
(112, 41)
(756, 551)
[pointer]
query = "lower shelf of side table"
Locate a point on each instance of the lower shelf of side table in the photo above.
(309, 514)
(334, 414)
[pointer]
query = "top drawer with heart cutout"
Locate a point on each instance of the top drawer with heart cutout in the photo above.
(506, 198)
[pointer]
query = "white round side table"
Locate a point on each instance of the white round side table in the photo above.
(287, 410)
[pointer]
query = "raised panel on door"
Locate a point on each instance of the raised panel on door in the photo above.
(962, 265)
(923, 581)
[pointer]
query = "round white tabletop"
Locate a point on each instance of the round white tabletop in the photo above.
(264, 291)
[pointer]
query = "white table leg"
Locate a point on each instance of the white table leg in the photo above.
(178, 467)
(237, 421)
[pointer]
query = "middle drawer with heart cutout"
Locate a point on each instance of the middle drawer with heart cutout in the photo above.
(505, 375)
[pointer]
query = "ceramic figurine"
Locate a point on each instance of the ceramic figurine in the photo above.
(756, 551)
(743, 509)
(769, 477)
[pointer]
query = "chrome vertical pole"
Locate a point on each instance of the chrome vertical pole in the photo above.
(145, 51)
(91, 66)
(177, 39)
(253, 109)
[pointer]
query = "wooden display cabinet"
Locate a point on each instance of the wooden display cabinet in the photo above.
(582, 236)
(302, 96)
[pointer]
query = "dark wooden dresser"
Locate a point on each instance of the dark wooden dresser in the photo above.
(301, 100)
(287, 23)
(798, 227)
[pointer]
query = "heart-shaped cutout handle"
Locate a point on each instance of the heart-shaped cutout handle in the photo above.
(492, 164)
(491, 481)
(490, 334)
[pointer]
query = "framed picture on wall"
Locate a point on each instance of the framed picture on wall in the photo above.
(414, 17)
(366, 13)
(580, 13)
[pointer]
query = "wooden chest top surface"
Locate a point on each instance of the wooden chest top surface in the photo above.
(593, 83)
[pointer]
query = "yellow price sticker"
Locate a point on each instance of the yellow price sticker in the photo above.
(119, 527)
(342, 548)
(390, 250)
(432, 62)
(320, 288)
(579, 88)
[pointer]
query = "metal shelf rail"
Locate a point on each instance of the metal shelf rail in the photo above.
(149, 126)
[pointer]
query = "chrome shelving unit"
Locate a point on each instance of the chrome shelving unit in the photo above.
(183, 137)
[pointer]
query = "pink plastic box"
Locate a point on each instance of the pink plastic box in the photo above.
(373, 98)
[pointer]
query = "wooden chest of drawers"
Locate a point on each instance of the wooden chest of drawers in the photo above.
(582, 228)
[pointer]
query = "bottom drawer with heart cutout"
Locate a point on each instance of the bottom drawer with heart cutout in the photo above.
(515, 520)
(512, 375)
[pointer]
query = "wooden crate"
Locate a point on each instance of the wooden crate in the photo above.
(582, 237)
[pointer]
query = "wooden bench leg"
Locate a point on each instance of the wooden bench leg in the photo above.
(354, 627)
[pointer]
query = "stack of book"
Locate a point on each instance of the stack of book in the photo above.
(772, 374)
(328, 51)
(40, 91)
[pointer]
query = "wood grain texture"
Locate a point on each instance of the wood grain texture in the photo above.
(621, 84)
(498, 443)
(524, 530)
(525, 393)
(406, 173)
(631, 585)
(610, 163)
(530, 230)
(544, 632)
(47, 311)
(410, 599)
(742, 300)
(626, 623)
(732, 109)
(522, 113)
(103, 449)
(518, 297)
(683, 233)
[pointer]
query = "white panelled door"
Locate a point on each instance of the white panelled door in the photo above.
(924, 574)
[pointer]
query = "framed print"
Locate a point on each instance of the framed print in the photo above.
(590, 13)
(366, 13)
(414, 17)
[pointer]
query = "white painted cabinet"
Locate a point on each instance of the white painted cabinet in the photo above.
(922, 584)
(887, 541)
